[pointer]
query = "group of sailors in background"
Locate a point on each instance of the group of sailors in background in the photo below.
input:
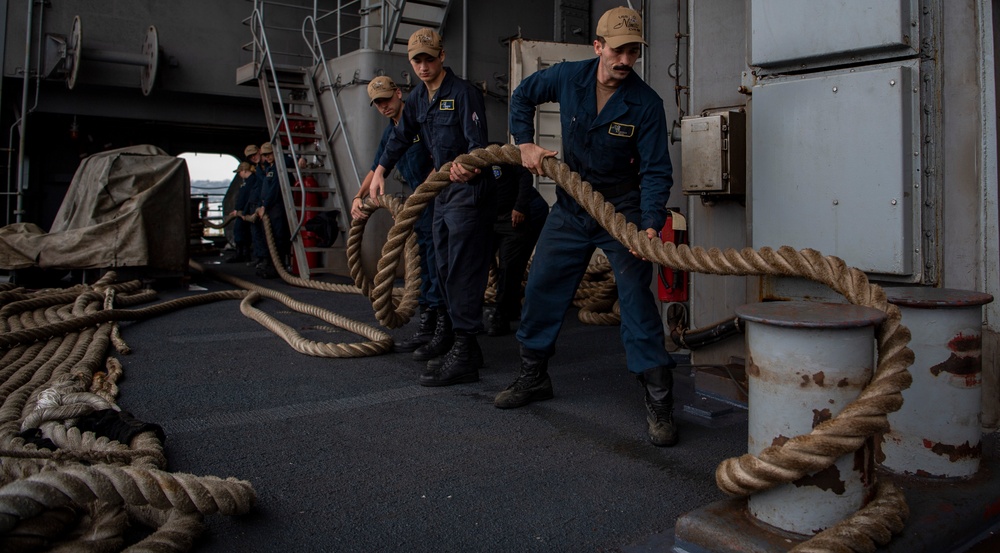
(259, 194)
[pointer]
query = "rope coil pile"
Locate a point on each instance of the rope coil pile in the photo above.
(79, 491)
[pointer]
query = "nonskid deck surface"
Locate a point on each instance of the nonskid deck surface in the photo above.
(354, 455)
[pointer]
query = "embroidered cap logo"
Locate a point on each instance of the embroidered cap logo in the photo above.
(629, 22)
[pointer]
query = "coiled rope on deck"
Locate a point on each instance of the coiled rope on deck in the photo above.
(799, 456)
(75, 497)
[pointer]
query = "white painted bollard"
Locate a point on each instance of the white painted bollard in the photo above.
(806, 361)
(937, 432)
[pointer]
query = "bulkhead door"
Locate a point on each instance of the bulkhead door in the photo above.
(527, 57)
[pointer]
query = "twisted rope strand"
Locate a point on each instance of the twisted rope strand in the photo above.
(117, 485)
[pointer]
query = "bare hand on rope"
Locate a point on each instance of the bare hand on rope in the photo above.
(650, 233)
(377, 186)
(459, 173)
(532, 156)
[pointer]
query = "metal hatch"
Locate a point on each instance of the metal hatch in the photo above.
(878, 30)
(836, 166)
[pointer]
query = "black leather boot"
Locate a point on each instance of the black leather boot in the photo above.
(424, 333)
(659, 385)
(460, 365)
(441, 342)
(239, 255)
(497, 324)
(532, 382)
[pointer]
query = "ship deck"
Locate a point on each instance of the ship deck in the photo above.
(351, 454)
(354, 455)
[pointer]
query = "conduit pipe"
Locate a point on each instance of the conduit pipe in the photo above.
(22, 123)
(696, 338)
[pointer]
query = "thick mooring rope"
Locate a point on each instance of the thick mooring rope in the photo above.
(379, 342)
(75, 497)
(391, 312)
(799, 456)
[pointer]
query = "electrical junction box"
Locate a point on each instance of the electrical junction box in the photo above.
(713, 153)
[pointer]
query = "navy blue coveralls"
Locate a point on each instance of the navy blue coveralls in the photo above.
(274, 207)
(241, 228)
(415, 165)
(623, 153)
(453, 123)
(254, 184)
(515, 190)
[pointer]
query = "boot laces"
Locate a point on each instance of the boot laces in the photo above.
(526, 380)
(662, 412)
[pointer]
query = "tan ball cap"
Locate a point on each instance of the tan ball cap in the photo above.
(381, 87)
(425, 41)
(620, 26)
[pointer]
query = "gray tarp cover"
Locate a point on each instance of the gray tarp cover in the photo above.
(124, 208)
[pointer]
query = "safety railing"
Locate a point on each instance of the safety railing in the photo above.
(340, 30)
(315, 46)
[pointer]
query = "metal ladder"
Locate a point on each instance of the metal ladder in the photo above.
(293, 119)
(297, 128)
(402, 17)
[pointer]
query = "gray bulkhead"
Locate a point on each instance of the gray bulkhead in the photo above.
(871, 136)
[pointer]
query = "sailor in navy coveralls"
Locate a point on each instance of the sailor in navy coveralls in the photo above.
(415, 166)
(615, 135)
(449, 114)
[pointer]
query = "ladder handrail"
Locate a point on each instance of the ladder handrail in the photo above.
(267, 62)
(266, 53)
(320, 59)
(390, 21)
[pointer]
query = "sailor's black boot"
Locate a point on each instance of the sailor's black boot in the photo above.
(460, 365)
(424, 333)
(497, 324)
(659, 385)
(441, 342)
(532, 382)
(239, 255)
(266, 270)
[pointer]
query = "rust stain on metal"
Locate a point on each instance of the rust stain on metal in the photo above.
(753, 369)
(827, 479)
(843, 383)
(820, 415)
(818, 378)
(963, 343)
(805, 381)
(955, 452)
(864, 462)
(779, 441)
(963, 366)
